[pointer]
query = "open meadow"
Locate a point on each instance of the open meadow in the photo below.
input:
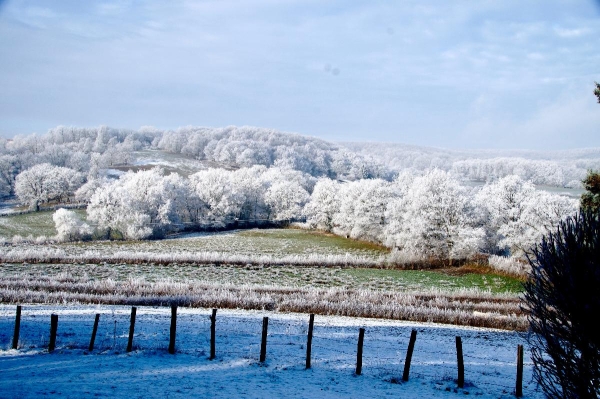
(275, 269)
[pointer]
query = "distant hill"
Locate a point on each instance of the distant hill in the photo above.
(551, 168)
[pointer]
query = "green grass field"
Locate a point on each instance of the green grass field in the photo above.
(272, 242)
(255, 242)
(280, 276)
(35, 224)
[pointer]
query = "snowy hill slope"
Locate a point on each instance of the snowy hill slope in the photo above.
(150, 372)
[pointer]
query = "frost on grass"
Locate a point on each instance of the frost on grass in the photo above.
(461, 307)
(510, 265)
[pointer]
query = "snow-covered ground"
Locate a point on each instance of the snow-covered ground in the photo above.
(151, 372)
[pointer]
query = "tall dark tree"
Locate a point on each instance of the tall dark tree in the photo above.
(590, 200)
(597, 91)
(562, 298)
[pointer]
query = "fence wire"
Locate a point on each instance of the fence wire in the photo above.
(489, 356)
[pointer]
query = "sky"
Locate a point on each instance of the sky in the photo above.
(461, 74)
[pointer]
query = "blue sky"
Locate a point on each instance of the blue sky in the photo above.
(461, 74)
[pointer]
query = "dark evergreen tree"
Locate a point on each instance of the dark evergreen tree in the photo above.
(597, 91)
(562, 297)
(590, 200)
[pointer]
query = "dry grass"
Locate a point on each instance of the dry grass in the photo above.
(473, 268)
(462, 307)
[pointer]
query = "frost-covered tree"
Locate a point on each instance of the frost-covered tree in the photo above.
(251, 186)
(591, 198)
(362, 209)
(10, 167)
(504, 203)
(286, 200)
(46, 183)
(85, 192)
(69, 226)
(542, 213)
(302, 179)
(519, 215)
(137, 205)
(79, 161)
(323, 205)
(439, 222)
(395, 212)
(216, 188)
(180, 204)
(248, 146)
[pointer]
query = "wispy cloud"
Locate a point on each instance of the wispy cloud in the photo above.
(571, 33)
(337, 69)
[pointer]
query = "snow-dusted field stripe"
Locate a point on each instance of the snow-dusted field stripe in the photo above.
(109, 372)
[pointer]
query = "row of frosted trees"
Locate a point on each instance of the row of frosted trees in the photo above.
(90, 150)
(430, 215)
(559, 169)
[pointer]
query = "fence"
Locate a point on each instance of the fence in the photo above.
(356, 346)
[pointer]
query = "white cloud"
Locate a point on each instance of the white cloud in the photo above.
(571, 33)
(33, 16)
(568, 122)
(535, 56)
(264, 62)
(113, 9)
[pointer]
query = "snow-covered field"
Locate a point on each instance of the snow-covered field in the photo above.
(151, 372)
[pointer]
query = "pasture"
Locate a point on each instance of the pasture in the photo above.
(277, 269)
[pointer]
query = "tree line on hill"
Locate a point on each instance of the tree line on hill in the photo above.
(426, 216)
(88, 151)
(271, 176)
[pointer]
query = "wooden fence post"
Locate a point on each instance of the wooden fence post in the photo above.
(461, 364)
(311, 322)
(53, 328)
(94, 331)
(213, 322)
(131, 329)
(359, 351)
(15, 342)
(519, 387)
(263, 343)
(173, 331)
(409, 353)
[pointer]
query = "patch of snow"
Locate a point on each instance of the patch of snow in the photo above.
(150, 372)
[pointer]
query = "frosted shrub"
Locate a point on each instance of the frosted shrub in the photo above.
(69, 226)
(510, 265)
(137, 226)
(40, 240)
(403, 257)
(18, 239)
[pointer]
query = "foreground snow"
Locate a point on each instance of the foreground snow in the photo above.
(150, 372)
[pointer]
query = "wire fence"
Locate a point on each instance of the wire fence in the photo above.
(489, 355)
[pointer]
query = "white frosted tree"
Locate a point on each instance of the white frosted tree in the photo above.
(323, 205)
(251, 186)
(362, 209)
(438, 222)
(395, 212)
(138, 205)
(216, 188)
(519, 215)
(10, 166)
(69, 226)
(45, 183)
(286, 200)
(85, 192)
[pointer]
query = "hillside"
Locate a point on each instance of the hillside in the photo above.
(545, 168)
